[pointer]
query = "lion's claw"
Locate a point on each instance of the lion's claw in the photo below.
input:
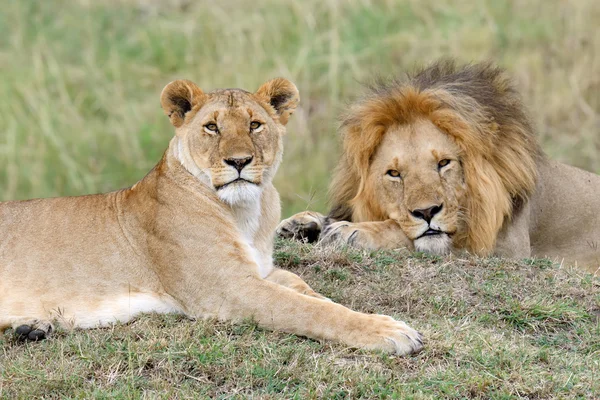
(304, 226)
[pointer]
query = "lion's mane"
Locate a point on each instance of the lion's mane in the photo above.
(478, 106)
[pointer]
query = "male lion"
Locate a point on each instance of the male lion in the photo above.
(194, 236)
(447, 159)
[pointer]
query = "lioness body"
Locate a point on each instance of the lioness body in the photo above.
(195, 236)
(447, 161)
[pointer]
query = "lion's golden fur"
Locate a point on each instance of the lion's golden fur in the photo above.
(478, 106)
(447, 160)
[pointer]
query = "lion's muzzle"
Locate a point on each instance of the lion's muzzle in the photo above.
(238, 163)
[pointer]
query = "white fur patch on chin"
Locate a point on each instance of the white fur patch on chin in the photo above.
(240, 193)
(435, 244)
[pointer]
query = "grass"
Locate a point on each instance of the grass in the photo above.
(79, 113)
(495, 329)
(79, 108)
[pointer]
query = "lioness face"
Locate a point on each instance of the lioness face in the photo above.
(236, 143)
(417, 174)
(232, 139)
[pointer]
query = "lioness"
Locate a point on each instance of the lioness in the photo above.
(194, 236)
(448, 160)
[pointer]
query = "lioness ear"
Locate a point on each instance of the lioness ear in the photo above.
(282, 95)
(179, 97)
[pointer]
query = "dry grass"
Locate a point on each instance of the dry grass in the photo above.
(494, 329)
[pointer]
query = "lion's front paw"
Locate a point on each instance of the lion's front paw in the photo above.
(392, 336)
(343, 233)
(304, 226)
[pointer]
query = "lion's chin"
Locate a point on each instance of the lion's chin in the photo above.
(239, 193)
(439, 244)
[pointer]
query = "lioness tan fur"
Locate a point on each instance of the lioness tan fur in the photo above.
(194, 236)
(448, 160)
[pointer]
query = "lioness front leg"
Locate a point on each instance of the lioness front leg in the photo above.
(379, 235)
(279, 308)
(306, 226)
(292, 281)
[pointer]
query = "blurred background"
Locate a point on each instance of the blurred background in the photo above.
(80, 84)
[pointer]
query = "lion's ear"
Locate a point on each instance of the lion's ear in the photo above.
(282, 95)
(179, 97)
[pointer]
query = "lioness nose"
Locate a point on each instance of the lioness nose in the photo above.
(238, 163)
(427, 213)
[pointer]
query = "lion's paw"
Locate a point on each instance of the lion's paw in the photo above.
(341, 233)
(34, 331)
(305, 226)
(392, 336)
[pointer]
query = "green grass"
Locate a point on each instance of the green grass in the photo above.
(494, 329)
(80, 113)
(79, 98)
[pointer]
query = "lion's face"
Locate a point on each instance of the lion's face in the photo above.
(417, 177)
(232, 139)
(448, 153)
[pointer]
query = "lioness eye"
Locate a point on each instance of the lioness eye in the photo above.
(393, 173)
(211, 127)
(255, 125)
(443, 163)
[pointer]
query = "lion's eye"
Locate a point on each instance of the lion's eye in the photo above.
(393, 173)
(443, 163)
(256, 126)
(211, 128)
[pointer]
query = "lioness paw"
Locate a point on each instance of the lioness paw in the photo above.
(305, 226)
(389, 335)
(34, 331)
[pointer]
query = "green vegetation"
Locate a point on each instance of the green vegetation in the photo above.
(80, 113)
(494, 329)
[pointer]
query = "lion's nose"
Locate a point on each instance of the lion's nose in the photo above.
(427, 213)
(238, 163)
